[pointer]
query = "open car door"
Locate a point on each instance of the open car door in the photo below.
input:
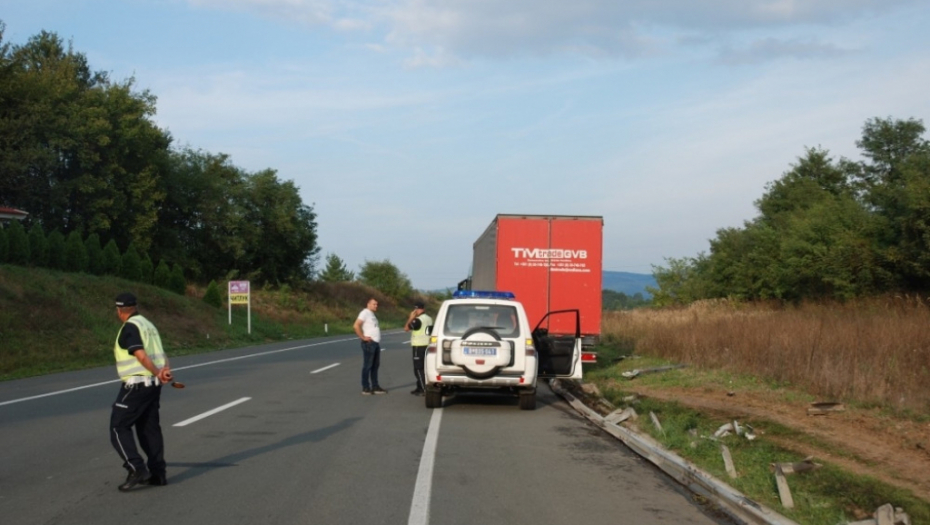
(559, 355)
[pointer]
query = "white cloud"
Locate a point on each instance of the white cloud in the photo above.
(768, 49)
(439, 33)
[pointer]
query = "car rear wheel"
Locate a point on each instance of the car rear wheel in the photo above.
(433, 398)
(528, 400)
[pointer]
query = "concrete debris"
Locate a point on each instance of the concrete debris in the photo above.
(735, 428)
(886, 515)
(619, 416)
(801, 466)
(655, 421)
(637, 372)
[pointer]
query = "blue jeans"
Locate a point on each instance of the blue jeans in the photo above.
(371, 350)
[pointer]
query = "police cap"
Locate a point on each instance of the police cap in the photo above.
(125, 299)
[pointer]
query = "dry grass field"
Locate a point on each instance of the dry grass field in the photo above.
(873, 352)
(763, 364)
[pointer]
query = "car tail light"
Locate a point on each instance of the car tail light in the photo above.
(588, 357)
(431, 349)
(530, 349)
(447, 351)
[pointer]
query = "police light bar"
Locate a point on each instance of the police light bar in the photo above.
(482, 294)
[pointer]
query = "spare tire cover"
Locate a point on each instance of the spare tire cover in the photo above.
(481, 352)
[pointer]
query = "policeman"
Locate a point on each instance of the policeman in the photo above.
(142, 366)
(419, 324)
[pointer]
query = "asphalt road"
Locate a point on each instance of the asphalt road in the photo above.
(297, 443)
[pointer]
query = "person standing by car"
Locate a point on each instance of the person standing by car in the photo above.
(418, 324)
(367, 329)
(142, 366)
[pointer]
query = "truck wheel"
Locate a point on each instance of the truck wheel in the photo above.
(433, 398)
(528, 400)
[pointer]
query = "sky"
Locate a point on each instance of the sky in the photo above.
(408, 125)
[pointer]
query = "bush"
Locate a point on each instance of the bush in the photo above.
(146, 268)
(18, 244)
(110, 261)
(162, 275)
(38, 246)
(75, 253)
(56, 250)
(212, 296)
(130, 264)
(176, 282)
(94, 254)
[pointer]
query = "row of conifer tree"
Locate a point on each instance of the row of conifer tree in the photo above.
(75, 253)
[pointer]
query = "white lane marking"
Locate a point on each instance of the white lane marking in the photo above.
(419, 507)
(180, 368)
(58, 392)
(318, 370)
(209, 413)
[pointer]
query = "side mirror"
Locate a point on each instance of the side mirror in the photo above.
(429, 330)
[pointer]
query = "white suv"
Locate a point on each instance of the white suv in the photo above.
(483, 341)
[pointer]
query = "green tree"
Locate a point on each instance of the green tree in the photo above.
(894, 180)
(336, 271)
(76, 259)
(81, 151)
(679, 283)
(613, 300)
(162, 276)
(146, 269)
(212, 296)
(38, 246)
(282, 230)
(888, 144)
(130, 264)
(94, 254)
(56, 250)
(384, 276)
(111, 259)
(18, 244)
(201, 221)
(176, 282)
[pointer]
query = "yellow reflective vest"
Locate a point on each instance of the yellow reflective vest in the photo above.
(126, 364)
(419, 337)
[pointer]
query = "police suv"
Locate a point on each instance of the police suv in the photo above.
(482, 341)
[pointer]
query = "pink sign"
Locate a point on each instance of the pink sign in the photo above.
(238, 287)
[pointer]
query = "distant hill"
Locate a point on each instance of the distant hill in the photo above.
(628, 283)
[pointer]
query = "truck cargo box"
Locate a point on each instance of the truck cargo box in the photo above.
(551, 262)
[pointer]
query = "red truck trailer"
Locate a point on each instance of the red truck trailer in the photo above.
(550, 262)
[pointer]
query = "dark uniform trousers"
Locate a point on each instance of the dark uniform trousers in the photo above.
(419, 353)
(137, 406)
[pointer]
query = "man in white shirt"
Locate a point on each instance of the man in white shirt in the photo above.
(367, 329)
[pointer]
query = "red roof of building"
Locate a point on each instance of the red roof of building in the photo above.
(12, 213)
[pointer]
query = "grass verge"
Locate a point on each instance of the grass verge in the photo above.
(826, 496)
(55, 321)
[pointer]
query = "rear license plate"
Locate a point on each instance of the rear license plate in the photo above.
(479, 351)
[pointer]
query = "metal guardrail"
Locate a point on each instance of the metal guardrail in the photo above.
(729, 500)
